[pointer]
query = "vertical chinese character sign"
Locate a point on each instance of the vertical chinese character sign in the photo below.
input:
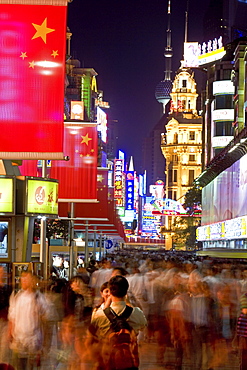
(118, 181)
(32, 69)
(129, 191)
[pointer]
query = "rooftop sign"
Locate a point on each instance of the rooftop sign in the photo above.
(196, 55)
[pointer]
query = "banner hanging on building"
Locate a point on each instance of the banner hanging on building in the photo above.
(32, 70)
(78, 175)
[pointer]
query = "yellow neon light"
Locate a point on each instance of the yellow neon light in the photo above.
(94, 84)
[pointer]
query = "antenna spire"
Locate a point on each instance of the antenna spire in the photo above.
(164, 88)
(168, 50)
(186, 23)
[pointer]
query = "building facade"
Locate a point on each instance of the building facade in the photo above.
(181, 144)
(224, 181)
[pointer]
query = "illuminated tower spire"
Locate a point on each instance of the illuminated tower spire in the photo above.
(168, 49)
(163, 89)
(131, 164)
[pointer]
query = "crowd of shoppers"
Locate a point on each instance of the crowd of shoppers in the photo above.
(187, 303)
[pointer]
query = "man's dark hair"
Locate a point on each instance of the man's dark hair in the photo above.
(118, 286)
(121, 271)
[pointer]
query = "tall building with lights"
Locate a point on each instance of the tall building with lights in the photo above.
(182, 141)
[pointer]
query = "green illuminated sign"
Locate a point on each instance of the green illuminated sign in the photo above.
(42, 197)
(6, 195)
(121, 211)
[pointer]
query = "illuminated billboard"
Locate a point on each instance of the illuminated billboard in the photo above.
(191, 54)
(157, 190)
(4, 239)
(7, 199)
(42, 196)
(224, 87)
(77, 110)
(211, 56)
(118, 180)
(130, 191)
(102, 123)
(223, 115)
(196, 55)
(230, 229)
(210, 51)
(231, 185)
(167, 207)
(102, 104)
(221, 141)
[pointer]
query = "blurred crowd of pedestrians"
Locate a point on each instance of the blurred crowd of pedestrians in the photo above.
(191, 304)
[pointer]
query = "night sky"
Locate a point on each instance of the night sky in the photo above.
(124, 42)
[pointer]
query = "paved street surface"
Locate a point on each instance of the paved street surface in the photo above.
(148, 361)
(58, 360)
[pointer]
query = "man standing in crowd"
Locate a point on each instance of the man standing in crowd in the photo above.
(28, 311)
(101, 326)
(4, 305)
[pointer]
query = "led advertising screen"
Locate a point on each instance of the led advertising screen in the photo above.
(4, 226)
(42, 197)
(7, 199)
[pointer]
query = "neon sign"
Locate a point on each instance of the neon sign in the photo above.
(118, 180)
(130, 190)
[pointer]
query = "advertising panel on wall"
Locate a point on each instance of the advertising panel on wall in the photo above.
(4, 239)
(32, 54)
(226, 230)
(7, 195)
(221, 141)
(42, 196)
(223, 87)
(223, 115)
(37, 196)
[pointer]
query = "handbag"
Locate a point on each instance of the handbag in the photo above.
(144, 293)
(242, 325)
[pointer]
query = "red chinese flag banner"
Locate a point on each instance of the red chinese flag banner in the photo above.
(77, 176)
(32, 69)
(94, 209)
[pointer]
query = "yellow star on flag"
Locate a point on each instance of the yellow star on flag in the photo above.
(31, 64)
(54, 53)
(86, 139)
(100, 178)
(23, 55)
(42, 30)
